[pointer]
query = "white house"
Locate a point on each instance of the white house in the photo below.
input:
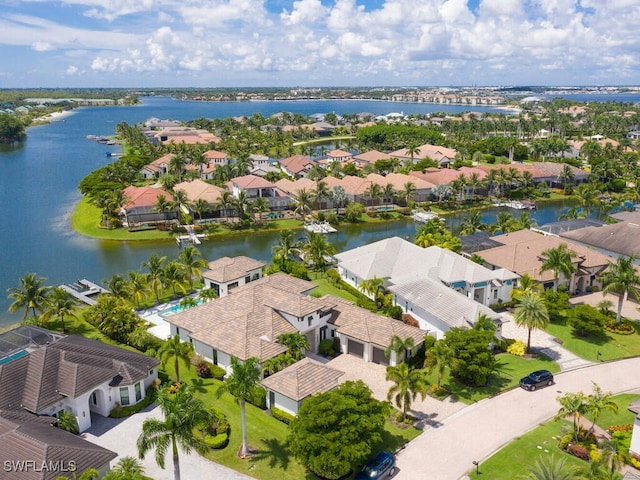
(225, 273)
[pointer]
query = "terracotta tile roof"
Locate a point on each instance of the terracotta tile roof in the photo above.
(31, 440)
(214, 155)
(251, 181)
(198, 189)
(293, 188)
(226, 269)
(303, 379)
(143, 196)
(354, 185)
(361, 324)
(339, 154)
(435, 152)
(440, 177)
(296, 163)
(371, 156)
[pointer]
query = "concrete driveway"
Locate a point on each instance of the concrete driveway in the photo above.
(479, 430)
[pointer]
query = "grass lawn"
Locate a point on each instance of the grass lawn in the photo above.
(267, 435)
(511, 369)
(611, 345)
(325, 288)
(515, 459)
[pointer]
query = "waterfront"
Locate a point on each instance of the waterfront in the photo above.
(38, 192)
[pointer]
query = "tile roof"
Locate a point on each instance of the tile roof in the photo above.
(225, 269)
(371, 156)
(251, 181)
(435, 152)
(438, 177)
(622, 238)
(31, 440)
(303, 379)
(198, 189)
(143, 196)
(296, 163)
(337, 153)
(214, 155)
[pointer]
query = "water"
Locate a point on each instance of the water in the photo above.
(38, 192)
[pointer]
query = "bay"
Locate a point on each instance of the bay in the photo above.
(38, 192)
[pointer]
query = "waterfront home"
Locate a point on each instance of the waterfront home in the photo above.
(296, 166)
(339, 156)
(225, 273)
(157, 167)
(139, 206)
(366, 158)
(247, 322)
(200, 190)
(182, 134)
(443, 155)
(257, 187)
(522, 252)
(436, 286)
(288, 388)
(43, 373)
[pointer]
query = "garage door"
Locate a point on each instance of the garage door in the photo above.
(379, 357)
(355, 348)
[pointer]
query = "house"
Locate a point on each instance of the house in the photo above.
(438, 287)
(366, 158)
(247, 322)
(288, 388)
(339, 156)
(634, 448)
(215, 157)
(140, 205)
(225, 273)
(43, 373)
(443, 155)
(521, 252)
(258, 187)
(296, 166)
(200, 190)
(157, 168)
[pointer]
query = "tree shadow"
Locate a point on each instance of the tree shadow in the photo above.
(275, 452)
(199, 385)
(391, 442)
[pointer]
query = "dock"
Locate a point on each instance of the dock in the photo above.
(322, 227)
(423, 217)
(191, 238)
(84, 290)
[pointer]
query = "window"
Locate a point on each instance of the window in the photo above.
(256, 276)
(247, 279)
(138, 392)
(495, 294)
(310, 321)
(124, 396)
(214, 356)
(151, 372)
(232, 285)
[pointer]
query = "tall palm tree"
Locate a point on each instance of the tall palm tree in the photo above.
(318, 249)
(399, 346)
(137, 287)
(407, 385)
(320, 194)
(225, 202)
(472, 224)
(176, 350)
(200, 206)
(182, 412)
(566, 175)
(560, 261)
(162, 206)
(373, 192)
(286, 247)
(439, 357)
(117, 286)
(598, 402)
(621, 277)
(409, 191)
(31, 295)
(531, 313)
(304, 200)
(573, 405)
(192, 263)
(180, 200)
(525, 221)
(174, 277)
(260, 205)
(241, 204)
(242, 382)
(412, 149)
(526, 284)
(60, 303)
(176, 165)
(155, 266)
(388, 193)
(505, 222)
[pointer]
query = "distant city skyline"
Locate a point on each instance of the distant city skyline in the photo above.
(279, 43)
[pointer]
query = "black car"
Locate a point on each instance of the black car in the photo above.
(384, 463)
(539, 378)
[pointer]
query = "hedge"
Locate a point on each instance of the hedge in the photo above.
(121, 412)
(258, 397)
(218, 372)
(218, 442)
(281, 415)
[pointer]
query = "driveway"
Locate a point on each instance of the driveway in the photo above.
(120, 436)
(629, 308)
(477, 431)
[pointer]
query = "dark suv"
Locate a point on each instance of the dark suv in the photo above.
(382, 464)
(539, 378)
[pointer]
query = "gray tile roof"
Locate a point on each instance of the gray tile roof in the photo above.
(622, 238)
(225, 269)
(303, 379)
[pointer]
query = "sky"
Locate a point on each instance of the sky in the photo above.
(315, 43)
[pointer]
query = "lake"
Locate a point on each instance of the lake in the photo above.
(38, 192)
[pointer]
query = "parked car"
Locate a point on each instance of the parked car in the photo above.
(382, 464)
(539, 378)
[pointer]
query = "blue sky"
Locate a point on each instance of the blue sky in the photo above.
(234, 43)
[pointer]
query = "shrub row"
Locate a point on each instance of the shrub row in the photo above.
(281, 415)
(120, 412)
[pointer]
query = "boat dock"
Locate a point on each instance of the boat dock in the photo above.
(191, 238)
(84, 290)
(322, 227)
(523, 205)
(423, 217)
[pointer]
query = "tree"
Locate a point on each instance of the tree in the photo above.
(434, 232)
(67, 421)
(621, 277)
(192, 263)
(408, 383)
(182, 412)
(117, 286)
(297, 343)
(176, 350)
(207, 294)
(336, 431)
(155, 265)
(573, 405)
(531, 313)
(127, 468)
(317, 250)
(286, 247)
(260, 205)
(399, 346)
(586, 320)
(505, 223)
(560, 261)
(598, 402)
(551, 468)
(180, 200)
(60, 303)
(137, 287)
(31, 295)
(438, 357)
(339, 197)
(113, 317)
(162, 206)
(304, 200)
(526, 284)
(472, 224)
(200, 206)
(242, 382)
(473, 360)
(354, 211)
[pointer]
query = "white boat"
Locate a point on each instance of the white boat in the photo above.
(423, 217)
(524, 205)
(319, 227)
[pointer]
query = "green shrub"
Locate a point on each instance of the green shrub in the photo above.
(586, 320)
(284, 417)
(623, 327)
(218, 372)
(395, 312)
(325, 347)
(333, 276)
(217, 442)
(258, 397)
(121, 412)
(203, 368)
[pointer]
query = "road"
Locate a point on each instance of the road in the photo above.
(476, 432)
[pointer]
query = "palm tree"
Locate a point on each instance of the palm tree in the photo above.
(60, 303)
(177, 350)
(174, 277)
(551, 468)
(304, 200)
(320, 194)
(438, 357)
(31, 295)
(318, 249)
(286, 247)
(297, 343)
(242, 382)
(183, 412)
(373, 192)
(412, 150)
(67, 421)
(200, 206)
(573, 405)
(408, 383)
(207, 294)
(409, 191)
(531, 313)
(472, 224)
(505, 222)
(373, 286)
(117, 286)
(339, 197)
(127, 468)
(199, 160)
(155, 265)
(192, 263)
(260, 205)
(566, 175)
(176, 165)
(241, 204)
(525, 221)
(137, 287)
(161, 206)
(560, 261)
(526, 284)
(226, 201)
(399, 346)
(180, 200)
(598, 402)
(388, 193)
(621, 277)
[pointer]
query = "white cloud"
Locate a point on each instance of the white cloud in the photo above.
(42, 46)
(72, 70)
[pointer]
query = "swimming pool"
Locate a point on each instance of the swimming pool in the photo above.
(177, 308)
(13, 356)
